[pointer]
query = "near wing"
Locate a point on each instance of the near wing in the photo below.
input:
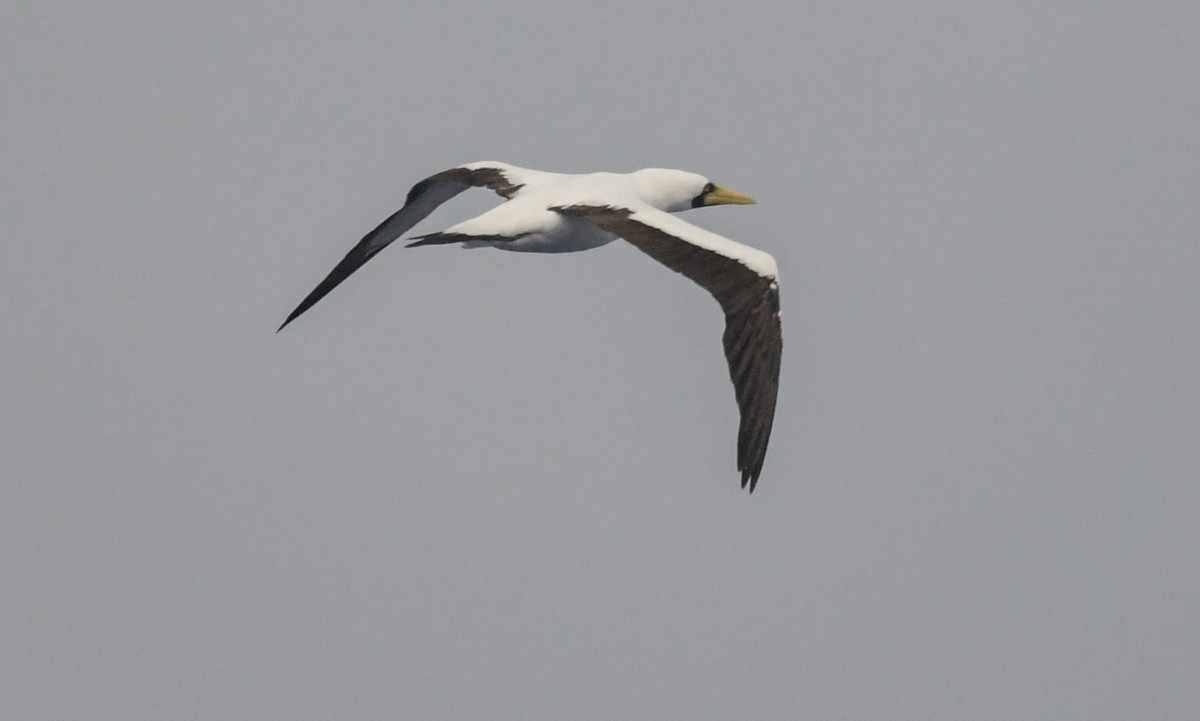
(743, 280)
(422, 200)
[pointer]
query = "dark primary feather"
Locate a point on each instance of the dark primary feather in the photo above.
(423, 199)
(753, 338)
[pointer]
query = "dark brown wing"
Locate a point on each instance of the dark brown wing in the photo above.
(750, 298)
(422, 200)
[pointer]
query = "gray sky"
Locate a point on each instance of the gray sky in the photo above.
(502, 486)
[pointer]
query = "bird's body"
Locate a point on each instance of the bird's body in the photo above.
(525, 224)
(561, 213)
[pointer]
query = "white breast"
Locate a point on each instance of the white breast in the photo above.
(532, 227)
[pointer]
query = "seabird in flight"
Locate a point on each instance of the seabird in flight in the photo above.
(558, 213)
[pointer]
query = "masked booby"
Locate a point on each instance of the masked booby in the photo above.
(558, 213)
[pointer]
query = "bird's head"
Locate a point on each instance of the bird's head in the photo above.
(675, 190)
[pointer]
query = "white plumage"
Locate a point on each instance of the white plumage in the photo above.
(558, 213)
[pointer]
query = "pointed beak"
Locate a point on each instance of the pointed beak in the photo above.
(725, 196)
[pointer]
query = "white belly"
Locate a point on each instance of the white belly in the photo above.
(561, 234)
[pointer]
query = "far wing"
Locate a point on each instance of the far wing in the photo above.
(743, 280)
(422, 200)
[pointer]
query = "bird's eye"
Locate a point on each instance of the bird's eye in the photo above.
(709, 188)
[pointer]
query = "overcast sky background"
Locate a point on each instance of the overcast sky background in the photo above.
(479, 485)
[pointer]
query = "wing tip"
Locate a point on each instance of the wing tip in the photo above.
(299, 311)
